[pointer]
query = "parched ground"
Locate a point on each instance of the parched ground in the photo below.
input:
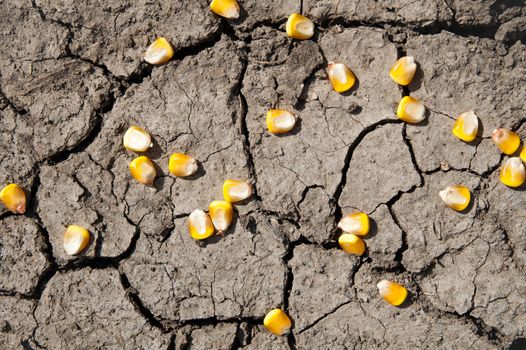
(72, 81)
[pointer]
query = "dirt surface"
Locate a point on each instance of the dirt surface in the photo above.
(72, 80)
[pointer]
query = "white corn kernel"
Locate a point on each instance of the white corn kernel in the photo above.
(137, 139)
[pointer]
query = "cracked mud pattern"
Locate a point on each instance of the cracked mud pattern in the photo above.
(72, 81)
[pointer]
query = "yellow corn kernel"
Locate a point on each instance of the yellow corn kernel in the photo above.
(221, 213)
(392, 292)
(182, 165)
(466, 126)
(277, 322)
(199, 225)
(236, 190)
(340, 76)
(159, 52)
(410, 110)
(506, 140)
(76, 239)
(513, 173)
(299, 27)
(355, 223)
(403, 71)
(137, 139)
(456, 197)
(352, 244)
(280, 121)
(225, 8)
(523, 154)
(143, 170)
(14, 198)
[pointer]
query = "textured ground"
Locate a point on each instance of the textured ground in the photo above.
(72, 81)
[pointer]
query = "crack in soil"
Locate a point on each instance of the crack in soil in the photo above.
(289, 280)
(348, 157)
(244, 129)
(138, 304)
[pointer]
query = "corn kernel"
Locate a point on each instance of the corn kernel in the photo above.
(14, 198)
(403, 71)
(143, 170)
(76, 239)
(355, 223)
(277, 322)
(352, 244)
(456, 197)
(410, 110)
(182, 165)
(221, 213)
(280, 121)
(466, 126)
(392, 292)
(513, 173)
(137, 139)
(225, 8)
(199, 225)
(299, 27)
(506, 140)
(236, 190)
(340, 76)
(159, 52)
(522, 155)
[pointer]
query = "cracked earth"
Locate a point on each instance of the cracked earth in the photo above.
(72, 81)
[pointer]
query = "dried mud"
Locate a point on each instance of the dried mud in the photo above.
(72, 81)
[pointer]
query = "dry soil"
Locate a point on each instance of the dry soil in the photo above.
(72, 81)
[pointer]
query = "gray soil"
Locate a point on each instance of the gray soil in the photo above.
(72, 80)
